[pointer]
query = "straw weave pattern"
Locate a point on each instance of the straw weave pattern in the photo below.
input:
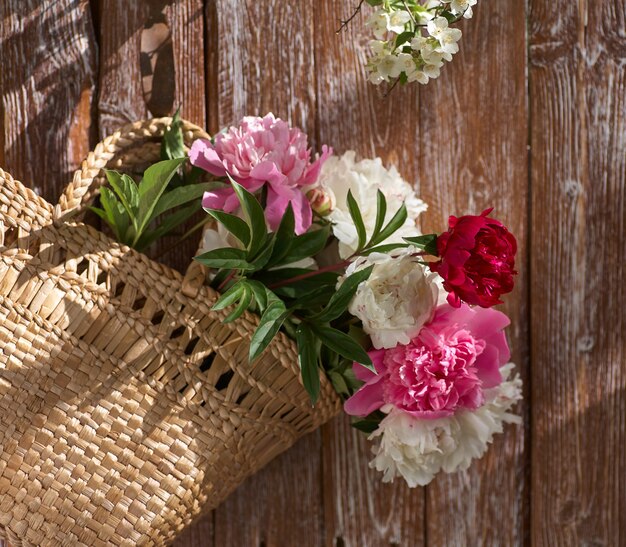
(127, 407)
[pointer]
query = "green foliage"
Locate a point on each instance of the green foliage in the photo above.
(139, 214)
(428, 243)
(306, 303)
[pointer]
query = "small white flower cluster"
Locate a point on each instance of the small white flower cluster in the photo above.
(401, 51)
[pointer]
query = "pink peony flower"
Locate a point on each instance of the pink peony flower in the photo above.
(443, 369)
(262, 151)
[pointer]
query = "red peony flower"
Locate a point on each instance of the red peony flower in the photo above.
(476, 260)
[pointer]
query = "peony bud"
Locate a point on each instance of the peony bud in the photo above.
(322, 201)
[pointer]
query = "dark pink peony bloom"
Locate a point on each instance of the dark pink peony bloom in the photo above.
(476, 260)
(445, 368)
(262, 151)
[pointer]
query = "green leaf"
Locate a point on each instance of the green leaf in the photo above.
(103, 215)
(233, 224)
(284, 238)
(381, 213)
(126, 190)
(254, 215)
(115, 211)
(308, 245)
(261, 293)
(370, 423)
(426, 242)
(155, 181)
(229, 297)
(168, 224)
(262, 257)
(173, 145)
(179, 196)
(341, 299)
(232, 259)
(339, 383)
(384, 248)
(308, 359)
(270, 323)
(357, 218)
(393, 226)
(244, 303)
(404, 37)
(366, 426)
(342, 344)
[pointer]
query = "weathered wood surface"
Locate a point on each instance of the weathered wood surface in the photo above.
(578, 299)
(73, 70)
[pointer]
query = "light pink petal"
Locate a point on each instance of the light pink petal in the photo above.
(204, 156)
(486, 322)
(222, 199)
(313, 172)
(267, 171)
(365, 401)
(275, 208)
(302, 212)
(365, 374)
(277, 205)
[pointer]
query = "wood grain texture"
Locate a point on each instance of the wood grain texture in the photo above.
(265, 63)
(359, 510)
(47, 88)
(127, 32)
(578, 90)
(462, 140)
(473, 155)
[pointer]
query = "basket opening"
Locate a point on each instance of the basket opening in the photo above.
(208, 361)
(224, 380)
(139, 303)
(178, 332)
(192, 345)
(158, 317)
(102, 278)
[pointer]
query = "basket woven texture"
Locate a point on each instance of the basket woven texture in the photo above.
(127, 407)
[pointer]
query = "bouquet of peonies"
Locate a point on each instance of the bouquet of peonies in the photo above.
(327, 250)
(413, 38)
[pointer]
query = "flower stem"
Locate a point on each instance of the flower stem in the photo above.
(229, 277)
(331, 268)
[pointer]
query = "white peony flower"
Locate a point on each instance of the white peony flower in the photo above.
(364, 178)
(417, 449)
(397, 299)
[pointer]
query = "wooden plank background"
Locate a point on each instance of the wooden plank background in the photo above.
(530, 118)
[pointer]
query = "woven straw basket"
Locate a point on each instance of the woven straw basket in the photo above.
(127, 407)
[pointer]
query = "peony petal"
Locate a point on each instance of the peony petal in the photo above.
(488, 366)
(487, 322)
(365, 374)
(313, 171)
(365, 401)
(267, 171)
(221, 199)
(204, 156)
(277, 205)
